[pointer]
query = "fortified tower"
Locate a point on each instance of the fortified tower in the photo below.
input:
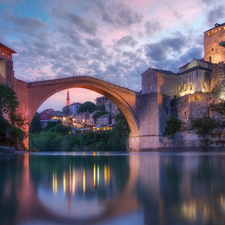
(6, 65)
(214, 43)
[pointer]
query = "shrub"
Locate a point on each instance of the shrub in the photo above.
(173, 125)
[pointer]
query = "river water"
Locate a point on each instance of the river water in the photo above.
(112, 188)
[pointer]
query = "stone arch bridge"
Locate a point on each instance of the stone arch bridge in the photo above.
(32, 95)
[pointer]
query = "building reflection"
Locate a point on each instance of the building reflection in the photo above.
(77, 179)
(168, 189)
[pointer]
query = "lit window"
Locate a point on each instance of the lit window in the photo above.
(180, 88)
(204, 85)
(3, 52)
(190, 86)
(208, 34)
(149, 87)
(224, 28)
(212, 31)
(9, 55)
(215, 31)
(185, 87)
(219, 29)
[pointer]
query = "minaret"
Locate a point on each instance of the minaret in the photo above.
(68, 98)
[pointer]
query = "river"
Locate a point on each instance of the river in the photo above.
(112, 188)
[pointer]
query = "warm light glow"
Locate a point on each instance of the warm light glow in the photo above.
(189, 210)
(74, 182)
(64, 182)
(98, 176)
(212, 31)
(9, 55)
(54, 183)
(219, 29)
(84, 182)
(215, 31)
(94, 176)
(105, 174)
(208, 34)
(3, 52)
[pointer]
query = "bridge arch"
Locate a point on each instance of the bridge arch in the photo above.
(124, 98)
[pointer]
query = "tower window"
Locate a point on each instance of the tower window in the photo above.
(185, 87)
(3, 52)
(190, 86)
(215, 31)
(212, 31)
(180, 88)
(204, 85)
(149, 87)
(208, 34)
(224, 28)
(219, 29)
(212, 49)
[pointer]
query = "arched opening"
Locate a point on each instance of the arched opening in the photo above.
(125, 99)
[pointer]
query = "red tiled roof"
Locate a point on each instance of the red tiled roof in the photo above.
(184, 66)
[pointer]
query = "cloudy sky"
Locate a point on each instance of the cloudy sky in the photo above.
(117, 40)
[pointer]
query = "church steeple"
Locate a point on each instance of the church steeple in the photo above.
(68, 98)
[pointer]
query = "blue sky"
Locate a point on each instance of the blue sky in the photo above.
(117, 40)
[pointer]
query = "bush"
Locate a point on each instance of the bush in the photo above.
(173, 125)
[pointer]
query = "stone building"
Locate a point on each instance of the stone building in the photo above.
(112, 108)
(103, 120)
(6, 65)
(214, 43)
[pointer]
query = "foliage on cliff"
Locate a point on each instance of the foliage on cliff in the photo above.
(220, 108)
(205, 127)
(173, 125)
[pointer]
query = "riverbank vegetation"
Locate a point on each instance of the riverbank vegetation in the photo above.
(11, 129)
(56, 137)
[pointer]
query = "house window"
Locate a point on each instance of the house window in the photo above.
(3, 52)
(180, 88)
(219, 29)
(185, 87)
(215, 31)
(204, 85)
(190, 86)
(212, 31)
(9, 55)
(208, 34)
(149, 87)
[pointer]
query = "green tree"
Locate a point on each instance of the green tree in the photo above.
(9, 104)
(87, 106)
(122, 126)
(98, 114)
(173, 125)
(35, 125)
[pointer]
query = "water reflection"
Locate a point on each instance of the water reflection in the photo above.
(145, 188)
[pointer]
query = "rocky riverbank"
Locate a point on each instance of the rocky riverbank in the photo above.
(4, 149)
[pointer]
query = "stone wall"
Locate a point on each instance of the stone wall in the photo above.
(167, 84)
(191, 107)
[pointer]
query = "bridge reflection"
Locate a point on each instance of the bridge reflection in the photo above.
(166, 188)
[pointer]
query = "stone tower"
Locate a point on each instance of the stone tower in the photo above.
(68, 98)
(6, 65)
(214, 43)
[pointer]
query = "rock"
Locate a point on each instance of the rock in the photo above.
(4, 149)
